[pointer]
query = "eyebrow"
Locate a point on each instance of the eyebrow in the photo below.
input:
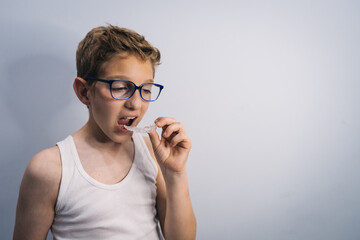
(122, 77)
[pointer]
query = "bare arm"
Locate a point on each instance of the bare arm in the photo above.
(180, 222)
(173, 201)
(38, 194)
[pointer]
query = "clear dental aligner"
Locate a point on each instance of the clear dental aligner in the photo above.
(147, 129)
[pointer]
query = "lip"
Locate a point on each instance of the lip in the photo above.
(123, 121)
(122, 129)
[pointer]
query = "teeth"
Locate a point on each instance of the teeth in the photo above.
(130, 117)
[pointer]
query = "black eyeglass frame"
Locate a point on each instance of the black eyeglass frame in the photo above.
(110, 82)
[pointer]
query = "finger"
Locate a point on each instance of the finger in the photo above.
(163, 121)
(167, 140)
(181, 140)
(172, 128)
(154, 139)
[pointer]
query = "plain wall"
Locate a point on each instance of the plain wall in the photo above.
(268, 91)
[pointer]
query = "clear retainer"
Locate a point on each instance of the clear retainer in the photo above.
(147, 129)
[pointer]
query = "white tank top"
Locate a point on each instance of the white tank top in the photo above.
(88, 209)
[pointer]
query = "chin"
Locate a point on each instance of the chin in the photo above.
(120, 137)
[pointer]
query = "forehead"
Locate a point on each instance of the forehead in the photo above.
(129, 67)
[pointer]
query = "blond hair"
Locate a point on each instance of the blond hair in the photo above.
(102, 43)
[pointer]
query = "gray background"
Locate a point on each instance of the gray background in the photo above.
(269, 92)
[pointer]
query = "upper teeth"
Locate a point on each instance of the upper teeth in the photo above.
(130, 117)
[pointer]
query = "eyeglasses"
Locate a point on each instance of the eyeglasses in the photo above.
(124, 89)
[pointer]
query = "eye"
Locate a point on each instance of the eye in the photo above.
(146, 89)
(119, 88)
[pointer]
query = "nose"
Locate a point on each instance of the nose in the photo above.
(135, 101)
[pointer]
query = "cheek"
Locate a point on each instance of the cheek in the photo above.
(104, 110)
(145, 107)
(101, 103)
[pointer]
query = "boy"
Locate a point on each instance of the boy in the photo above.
(102, 182)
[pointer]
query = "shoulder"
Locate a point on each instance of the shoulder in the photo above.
(151, 150)
(44, 170)
(46, 163)
(149, 146)
(160, 187)
(38, 195)
(159, 178)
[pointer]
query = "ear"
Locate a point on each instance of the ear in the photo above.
(81, 89)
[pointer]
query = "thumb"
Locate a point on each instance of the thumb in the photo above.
(155, 140)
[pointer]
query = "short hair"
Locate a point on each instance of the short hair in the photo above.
(104, 42)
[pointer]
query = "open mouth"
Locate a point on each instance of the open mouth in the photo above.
(128, 121)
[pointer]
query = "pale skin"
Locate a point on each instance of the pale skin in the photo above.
(107, 154)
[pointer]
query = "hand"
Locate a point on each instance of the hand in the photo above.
(172, 150)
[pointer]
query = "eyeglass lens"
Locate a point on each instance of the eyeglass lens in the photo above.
(124, 89)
